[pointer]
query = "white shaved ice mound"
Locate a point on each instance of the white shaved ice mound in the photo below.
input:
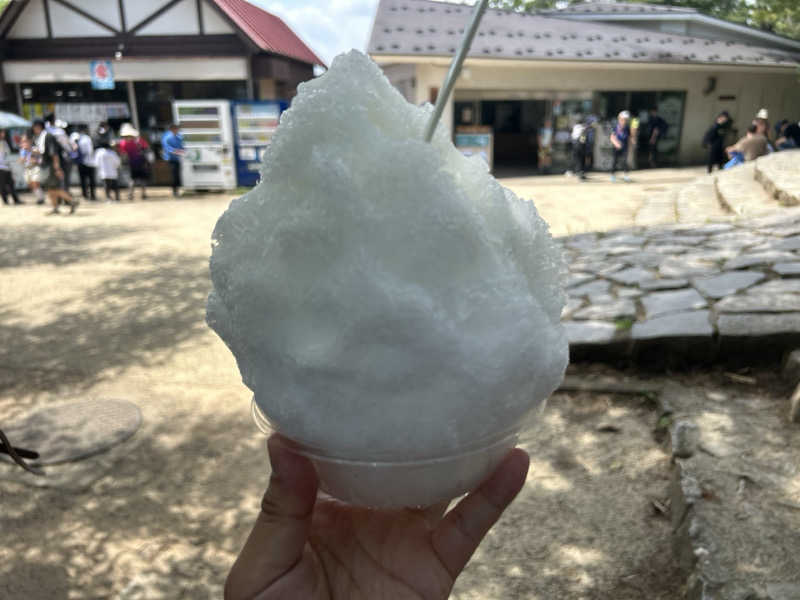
(385, 297)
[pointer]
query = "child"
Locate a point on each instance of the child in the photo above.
(29, 157)
(107, 164)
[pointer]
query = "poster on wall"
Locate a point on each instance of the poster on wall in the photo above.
(102, 75)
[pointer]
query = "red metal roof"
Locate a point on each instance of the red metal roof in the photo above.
(267, 31)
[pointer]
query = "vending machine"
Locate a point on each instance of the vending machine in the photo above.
(208, 140)
(254, 124)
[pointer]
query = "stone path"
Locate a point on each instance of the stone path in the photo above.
(703, 292)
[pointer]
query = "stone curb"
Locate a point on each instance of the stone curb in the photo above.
(783, 196)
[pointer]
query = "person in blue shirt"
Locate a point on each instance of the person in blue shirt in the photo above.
(172, 151)
(619, 139)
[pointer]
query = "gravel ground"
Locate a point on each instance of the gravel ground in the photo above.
(110, 303)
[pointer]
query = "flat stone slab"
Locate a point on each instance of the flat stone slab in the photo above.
(590, 332)
(775, 302)
(578, 278)
(598, 286)
(664, 284)
(787, 268)
(616, 309)
(758, 324)
(725, 284)
(73, 431)
(691, 324)
(684, 266)
(632, 275)
(660, 303)
(757, 259)
(776, 286)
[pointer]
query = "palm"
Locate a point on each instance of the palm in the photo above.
(361, 554)
(321, 549)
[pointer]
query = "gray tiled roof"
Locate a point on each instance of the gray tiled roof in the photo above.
(428, 28)
(627, 8)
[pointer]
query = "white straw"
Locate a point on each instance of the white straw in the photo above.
(455, 68)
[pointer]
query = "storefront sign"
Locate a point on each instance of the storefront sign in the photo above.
(472, 140)
(102, 75)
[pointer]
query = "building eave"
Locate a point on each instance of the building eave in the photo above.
(697, 17)
(444, 61)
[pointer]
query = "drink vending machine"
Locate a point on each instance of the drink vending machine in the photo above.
(254, 124)
(208, 140)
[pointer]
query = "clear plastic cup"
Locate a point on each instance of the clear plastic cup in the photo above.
(399, 484)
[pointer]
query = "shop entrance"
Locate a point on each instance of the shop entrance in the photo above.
(516, 125)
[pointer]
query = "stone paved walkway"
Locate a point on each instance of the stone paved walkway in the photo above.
(702, 292)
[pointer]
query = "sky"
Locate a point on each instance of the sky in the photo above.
(329, 27)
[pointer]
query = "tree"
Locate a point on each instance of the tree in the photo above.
(778, 16)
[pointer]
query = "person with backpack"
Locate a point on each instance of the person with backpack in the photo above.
(51, 172)
(134, 150)
(69, 151)
(620, 138)
(86, 169)
(714, 140)
(656, 130)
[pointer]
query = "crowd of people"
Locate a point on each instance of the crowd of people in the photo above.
(757, 141)
(625, 137)
(52, 149)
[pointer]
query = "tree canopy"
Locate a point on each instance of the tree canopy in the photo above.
(777, 16)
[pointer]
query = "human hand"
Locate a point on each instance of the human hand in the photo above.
(309, 548)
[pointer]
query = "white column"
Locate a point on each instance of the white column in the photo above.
(132, 105)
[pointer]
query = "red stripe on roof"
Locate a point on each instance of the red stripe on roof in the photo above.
(267, 31)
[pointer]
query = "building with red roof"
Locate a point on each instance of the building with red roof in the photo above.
(159, 51)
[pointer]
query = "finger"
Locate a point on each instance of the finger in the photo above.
(276, 543)
(462, 529)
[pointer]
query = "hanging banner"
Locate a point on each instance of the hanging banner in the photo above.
(102, 75)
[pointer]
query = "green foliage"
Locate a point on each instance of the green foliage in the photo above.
(778, 16)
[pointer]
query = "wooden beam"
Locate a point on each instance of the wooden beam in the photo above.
(10, 16)
(47, 19)
(200, 24)
(135, 46)
(87, 15)
(154, 16)
(18, 94)
(122, 16)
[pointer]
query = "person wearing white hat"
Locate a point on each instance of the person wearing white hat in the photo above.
(134, 150)
(762, 125)
(620, 138)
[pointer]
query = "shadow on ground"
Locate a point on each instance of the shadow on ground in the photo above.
(139, 317)
(168, 518)
(164, 522)
(37, 244)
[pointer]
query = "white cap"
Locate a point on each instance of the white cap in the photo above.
(625, 114)
(762, 114)
(128, 130)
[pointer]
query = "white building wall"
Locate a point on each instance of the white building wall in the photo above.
(778, 92)
(31, 23)
(68, 23)
(181, 19)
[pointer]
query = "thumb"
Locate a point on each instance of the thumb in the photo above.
(276, 543)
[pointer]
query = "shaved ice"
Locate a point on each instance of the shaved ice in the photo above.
(386, 299)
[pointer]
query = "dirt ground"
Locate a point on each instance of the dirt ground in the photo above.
(109, 303)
